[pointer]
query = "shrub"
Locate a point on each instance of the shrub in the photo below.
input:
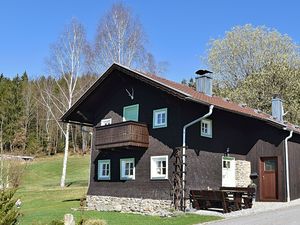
(8, 212)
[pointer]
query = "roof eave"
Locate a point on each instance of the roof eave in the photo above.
(269, 121)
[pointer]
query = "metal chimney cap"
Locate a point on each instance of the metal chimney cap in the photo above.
(276, 96)
(202, 72)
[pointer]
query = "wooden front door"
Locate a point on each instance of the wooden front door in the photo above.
(268, 179)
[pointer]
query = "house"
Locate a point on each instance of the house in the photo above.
(138, 161)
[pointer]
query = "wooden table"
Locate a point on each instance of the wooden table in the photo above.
(242, 196)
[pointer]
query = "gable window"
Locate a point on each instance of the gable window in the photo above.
(160, 118)
(206, 128)
(127, 168)
(104, 169)
(105, 122)
(159, 167)
(131, 113)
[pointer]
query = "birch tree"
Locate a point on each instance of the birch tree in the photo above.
(120, 38)
(66, 62)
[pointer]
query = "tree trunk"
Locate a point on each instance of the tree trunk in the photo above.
(64, 171)
(84, 139)
(73, 135)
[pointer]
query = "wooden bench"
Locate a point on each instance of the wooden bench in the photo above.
(204, 199)
(243, 196)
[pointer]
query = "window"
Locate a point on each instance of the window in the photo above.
(159, 167)
(104, 169)
(226, 164)
(127, 168)
(105, 122)
(270, 165)
(206, 128)
(131, 113)
(160, 118)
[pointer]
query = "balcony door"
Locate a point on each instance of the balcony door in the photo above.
(131, 112)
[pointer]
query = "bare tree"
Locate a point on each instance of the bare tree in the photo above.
(120, 38)
(66, 62)
(151, 66)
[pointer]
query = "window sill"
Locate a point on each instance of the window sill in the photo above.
(159, 178)
(159, 126)
(206, 135)
(127, 178)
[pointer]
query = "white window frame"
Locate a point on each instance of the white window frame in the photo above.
(122, 169)
(100, 167)
(153, 167)
(105, 122)
(155, 117)
(209, 128)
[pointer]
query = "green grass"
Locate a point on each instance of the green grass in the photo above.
(43, 200)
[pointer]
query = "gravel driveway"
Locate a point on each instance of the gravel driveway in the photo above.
(262, 213)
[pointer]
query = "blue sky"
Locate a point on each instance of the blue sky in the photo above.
(178, 31)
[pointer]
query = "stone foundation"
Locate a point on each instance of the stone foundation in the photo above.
(242, 173)
(121, 204)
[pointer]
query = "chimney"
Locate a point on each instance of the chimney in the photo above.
(277, 108)
(204, 82)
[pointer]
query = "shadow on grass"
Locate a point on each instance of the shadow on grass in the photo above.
(74, 200)
(77, 183)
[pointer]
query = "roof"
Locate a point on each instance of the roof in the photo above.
(190, 94)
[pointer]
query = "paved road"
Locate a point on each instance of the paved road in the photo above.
(285, 216)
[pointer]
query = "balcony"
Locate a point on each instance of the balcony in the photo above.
(125, 134)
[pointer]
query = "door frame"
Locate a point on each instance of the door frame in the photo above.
(261, 169)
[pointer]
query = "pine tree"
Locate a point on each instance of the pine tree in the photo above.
(8, 212)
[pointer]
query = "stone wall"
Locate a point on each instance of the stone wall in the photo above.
(242, 173)
(120, 204)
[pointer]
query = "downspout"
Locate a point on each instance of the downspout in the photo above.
(288, 197)
(184, 148)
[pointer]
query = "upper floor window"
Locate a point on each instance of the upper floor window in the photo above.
(104, 169)
(160, 118)
(105, 122)
(127, 168)
(159, 167)
(131, 112)
(206, 128)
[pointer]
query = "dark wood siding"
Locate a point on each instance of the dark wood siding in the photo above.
(294, 168)
(246, 137)
(142, 186)
(265, 149)
(162, 141)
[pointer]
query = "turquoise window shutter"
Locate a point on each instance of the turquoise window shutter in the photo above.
(131, 113)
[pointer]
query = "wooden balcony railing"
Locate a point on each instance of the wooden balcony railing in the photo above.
(125, 134)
